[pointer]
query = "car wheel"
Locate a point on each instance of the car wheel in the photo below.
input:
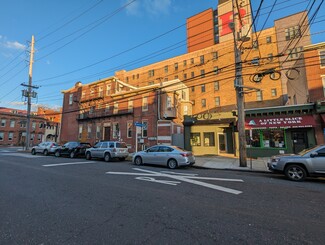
(122, 158)
(72, 154)
(57, 154)
(88, 156)
(295, 173)
(172, 163)
(138, 161)
(107, 157)
(45, 152)
(33, 152)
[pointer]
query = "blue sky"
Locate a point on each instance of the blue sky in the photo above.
(86, 40)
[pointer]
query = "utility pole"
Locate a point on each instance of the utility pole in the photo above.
(29, 93)
(238, 83)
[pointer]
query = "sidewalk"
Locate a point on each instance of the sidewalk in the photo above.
(231, 163)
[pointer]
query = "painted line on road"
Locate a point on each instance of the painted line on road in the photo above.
(66, 163)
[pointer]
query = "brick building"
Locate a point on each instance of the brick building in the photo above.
(13, 127)
(273, 76)
(53, 123)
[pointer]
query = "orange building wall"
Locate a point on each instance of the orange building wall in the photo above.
(200, 32)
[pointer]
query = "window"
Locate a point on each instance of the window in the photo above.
(202, 59)
(23, 124)
(294, 53)
(268, 39)
(176, 77)
(129, 129)
(83, 94)
(70, 99)
(208, 139)
(108, 89)
(133, 76)
(273, 138)
(127, 79)
(192, 88)
(169, 102)
(195, 139)
(10, 136)
(216, 70)
(39, 137)
(273, 92)
(203, 103)
(92, 110)
(203, 88)
(100, 92)
(107, 108)
(216, 86)
(151, 83)
(184, 76)
(253, 138)
(92, 92)
(138, 76)
(184, 63)
(145, 103)
(217, 101)
(192, 74)
(89, 131)
(115, 110)
(12, 123)
(151, 73)
(256, 61)
(176, 66)
(130, 105)
(192, 61)
(3, 122)
(32, 136)
(202, 73)
(270, 57)
(116, 130)
(144, 129)
(322, 57)
(185, 110)
(292, 32)
(1, 136)
(166, 69)
(80, 131)
(33, 125)
(98, 132)
(215, 55)
(259, 95)
(255, 44)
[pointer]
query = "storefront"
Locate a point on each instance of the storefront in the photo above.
(280, 134)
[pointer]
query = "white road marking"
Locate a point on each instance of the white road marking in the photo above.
(20, 155)
(177, 176)
(66, 163)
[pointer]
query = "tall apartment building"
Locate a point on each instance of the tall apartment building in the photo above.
(273, 76)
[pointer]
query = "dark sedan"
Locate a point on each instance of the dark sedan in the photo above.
(72, 149)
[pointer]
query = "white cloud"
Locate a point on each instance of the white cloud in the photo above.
(14, 45)
(153, 7)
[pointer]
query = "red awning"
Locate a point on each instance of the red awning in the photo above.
(303, 121)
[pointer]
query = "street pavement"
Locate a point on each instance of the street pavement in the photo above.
(224, 162)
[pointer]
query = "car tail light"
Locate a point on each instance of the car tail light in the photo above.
(185, 154)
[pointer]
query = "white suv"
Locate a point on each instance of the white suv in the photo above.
(108, 150)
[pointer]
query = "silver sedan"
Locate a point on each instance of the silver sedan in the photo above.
(170, 156)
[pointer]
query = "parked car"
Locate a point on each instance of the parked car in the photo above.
(309, 162)
(72, 149)
(108, 150)
(45, 148)
(170, 156)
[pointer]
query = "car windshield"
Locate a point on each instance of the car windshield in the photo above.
(305, 151)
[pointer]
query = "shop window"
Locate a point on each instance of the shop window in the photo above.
(208, 139)
(273, 138)
(195, 139)
(253, 138)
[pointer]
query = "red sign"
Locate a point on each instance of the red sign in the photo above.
(302, 121)
(227, 18)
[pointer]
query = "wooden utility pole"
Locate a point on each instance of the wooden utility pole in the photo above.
(239, 92)
(29, 93)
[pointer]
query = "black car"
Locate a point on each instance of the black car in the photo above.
(72, 149)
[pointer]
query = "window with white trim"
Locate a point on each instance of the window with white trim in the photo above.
(100, 92)
(80, 131)
(70, 99)
(98, 132)
(259, 95)
(108, 89)
(144, 129)
(10, 136)
(1, 136)
(145, 103)
(115, 110)
(3, 122)
(130, 105)
(116, 130)
(322, 58)
(12, 123)
(89, 131)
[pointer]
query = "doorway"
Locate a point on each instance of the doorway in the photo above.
(222, 143)
(299, 141)
(107, 133)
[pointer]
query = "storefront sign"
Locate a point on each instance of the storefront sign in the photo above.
(303, 121)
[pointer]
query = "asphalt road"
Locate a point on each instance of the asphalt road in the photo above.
(49, 200)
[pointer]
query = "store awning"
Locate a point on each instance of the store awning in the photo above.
(302, 121)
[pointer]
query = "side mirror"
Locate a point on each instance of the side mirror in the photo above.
(312, 155)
